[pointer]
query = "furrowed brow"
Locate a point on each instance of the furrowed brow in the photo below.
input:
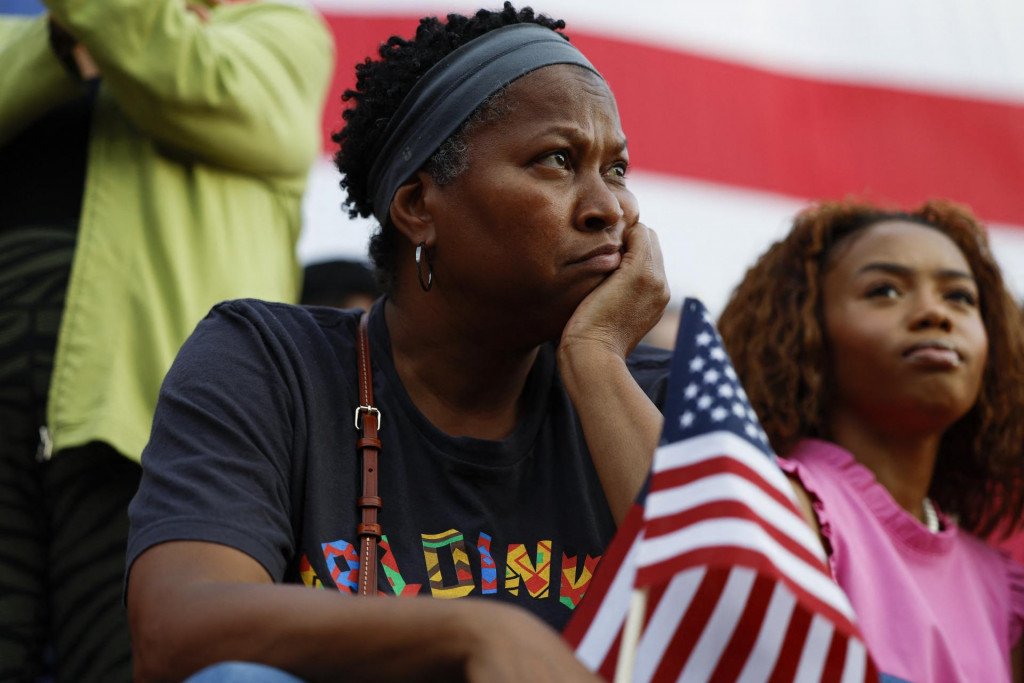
(577, 137)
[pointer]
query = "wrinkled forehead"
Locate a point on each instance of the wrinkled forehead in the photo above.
(562, 88)
(556, 80)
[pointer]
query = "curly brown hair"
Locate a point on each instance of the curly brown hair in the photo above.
(773, 328)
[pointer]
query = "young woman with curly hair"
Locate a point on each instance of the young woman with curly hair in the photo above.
(518, 414)
(885, 358)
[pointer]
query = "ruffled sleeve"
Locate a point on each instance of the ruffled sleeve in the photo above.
(1016, 577)
(794, 468)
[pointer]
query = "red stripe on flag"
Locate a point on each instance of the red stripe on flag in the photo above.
(356, 37)
(789, 655)
(723, 122)
(722, 464)
(727, 509)
(691, 626)
(835, 659)
(654, 594)
(734, 657)
(727, 556)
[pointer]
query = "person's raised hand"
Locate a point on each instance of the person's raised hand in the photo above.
(623, 308)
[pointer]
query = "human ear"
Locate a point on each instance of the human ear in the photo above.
(409, 210)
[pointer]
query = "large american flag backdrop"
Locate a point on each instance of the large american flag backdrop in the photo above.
(735, 582)
(739, 111)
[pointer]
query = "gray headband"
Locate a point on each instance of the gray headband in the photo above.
(451, 90)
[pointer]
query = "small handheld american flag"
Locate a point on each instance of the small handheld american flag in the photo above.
(714, 568)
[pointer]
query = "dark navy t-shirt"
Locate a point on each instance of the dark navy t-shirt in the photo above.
(253, 446)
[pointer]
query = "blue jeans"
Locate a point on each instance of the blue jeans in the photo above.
(242, 672)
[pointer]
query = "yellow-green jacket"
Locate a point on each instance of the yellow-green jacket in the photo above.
(202, 136)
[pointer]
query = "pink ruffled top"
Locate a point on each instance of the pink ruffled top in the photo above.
(933, 607)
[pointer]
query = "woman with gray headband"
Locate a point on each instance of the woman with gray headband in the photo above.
(517, 413)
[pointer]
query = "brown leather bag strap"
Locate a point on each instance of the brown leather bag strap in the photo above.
(368, 419)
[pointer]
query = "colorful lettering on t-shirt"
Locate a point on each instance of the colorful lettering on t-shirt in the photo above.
(345, 579)
(537, 577)
(575, 580)
(488, 570)
(450, 541)
(576, 571)
(308, 574)
(398, 584)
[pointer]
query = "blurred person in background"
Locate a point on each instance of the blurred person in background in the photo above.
(885, 359)
(339, 283)
(518, 414)
(153, 156)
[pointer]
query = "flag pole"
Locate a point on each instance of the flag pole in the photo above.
(631, 635)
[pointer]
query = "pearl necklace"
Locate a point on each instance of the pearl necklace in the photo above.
(931, 518)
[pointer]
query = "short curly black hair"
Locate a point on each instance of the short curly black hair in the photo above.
(380, 87)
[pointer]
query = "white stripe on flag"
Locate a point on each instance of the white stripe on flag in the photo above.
(670, 610)
(812, 658)
(773, 633)
(854, 669)
(728, 486)
(714, 444)
(720, 627)
(610, 616)
(716, 533)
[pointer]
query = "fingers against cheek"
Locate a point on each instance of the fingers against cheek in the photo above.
(638, 238)
(656, 248)
(643, 242)
(630, 208)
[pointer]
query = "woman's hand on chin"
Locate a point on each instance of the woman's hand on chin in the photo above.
(617, 314)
